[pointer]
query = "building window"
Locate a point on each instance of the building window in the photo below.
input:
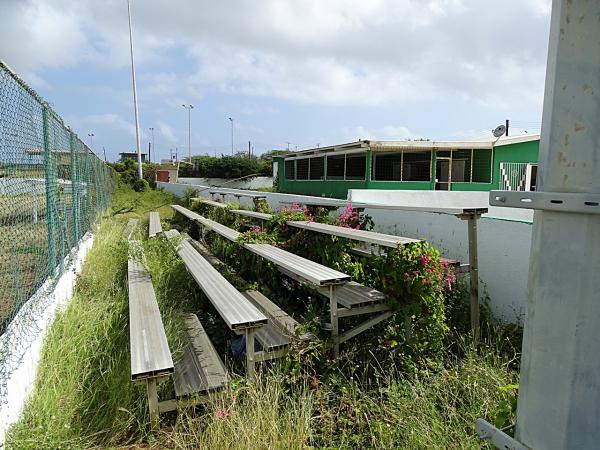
(387, 167)
(336, 167)
(316, 168)
(402, 166)
(461, 166)
(302, 169)
(416, 166)
(290, 169)
(356, 165)
(482, 166)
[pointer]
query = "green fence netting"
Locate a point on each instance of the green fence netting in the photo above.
(52, 189)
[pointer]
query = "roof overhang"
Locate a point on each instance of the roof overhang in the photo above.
(412, 145)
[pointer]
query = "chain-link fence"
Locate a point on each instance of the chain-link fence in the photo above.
(52, 188)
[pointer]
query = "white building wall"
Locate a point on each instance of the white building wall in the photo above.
(504, 235)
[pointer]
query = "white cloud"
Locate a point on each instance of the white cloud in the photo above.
(112, 122)
(167, 132)
(387, 132)
(339, 52)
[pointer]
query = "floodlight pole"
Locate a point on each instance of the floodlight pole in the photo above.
(153, 149)
(138, 142)
(189, 108)
(231, 120)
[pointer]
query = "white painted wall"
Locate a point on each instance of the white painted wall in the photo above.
(251, 183)
(46, 303)
(504, 236)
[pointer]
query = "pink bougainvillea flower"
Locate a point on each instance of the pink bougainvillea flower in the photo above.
(424, 259)
(221, 414)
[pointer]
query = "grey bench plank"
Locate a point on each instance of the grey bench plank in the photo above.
(237, 193)
(237, 312)
(211, 202)
(220, 229)
(370, 237)
(186, 212)
(130, 228)
(354, 295)
(311, 271)
(200, 368)
(286, 323)
(154, 224)
(150, 354)
(253, 214)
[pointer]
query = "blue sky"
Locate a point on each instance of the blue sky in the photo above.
(306, 72)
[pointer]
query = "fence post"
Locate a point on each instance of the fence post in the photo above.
(50, 190)
(74, 189)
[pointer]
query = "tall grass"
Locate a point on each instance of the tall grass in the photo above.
(84, 398)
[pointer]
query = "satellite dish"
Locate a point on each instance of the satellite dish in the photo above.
(500, 130)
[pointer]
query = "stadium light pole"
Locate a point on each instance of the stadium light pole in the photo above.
(189, 108)
(91, 136)
(153, 149)
(135, 103)
(231, 120)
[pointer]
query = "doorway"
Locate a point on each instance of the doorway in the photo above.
(442, 174)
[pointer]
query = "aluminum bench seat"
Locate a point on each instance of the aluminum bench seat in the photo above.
(150, 354)
(154, 224)
(130, 228)
(200, 369)
(238, 194)
(371, 237)
(186, 212)
(306, 269)
(237, 312)
(225, 231)
(280, 332)
(355, 295)
(150, 357)
(253, 214)
(211, 202)
(286, 323)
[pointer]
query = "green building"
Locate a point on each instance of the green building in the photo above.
(508, 163)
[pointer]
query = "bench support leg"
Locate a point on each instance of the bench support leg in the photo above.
(153, 403)
(333, 311)
(474, 271)
(364, 326)
(250, 363)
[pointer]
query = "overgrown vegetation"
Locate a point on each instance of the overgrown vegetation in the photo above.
(227, 166)
(366, 399)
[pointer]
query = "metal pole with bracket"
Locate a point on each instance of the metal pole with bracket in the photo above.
(560, 371)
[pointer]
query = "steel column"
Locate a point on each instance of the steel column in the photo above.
(250, 363)
(153, 402)
(50, 177)
(74, 191)
(335, 329)
(473, 270)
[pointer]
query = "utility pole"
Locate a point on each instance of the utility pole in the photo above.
(249, 150)
(149, 147)
(104, 150)
(189, 108)
(138, 141)
(288, 146)
(231, 120)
